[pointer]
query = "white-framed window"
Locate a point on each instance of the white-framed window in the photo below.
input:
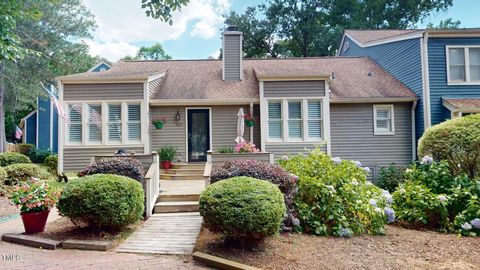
(94, 123)
(295, 120)
(104, 123)
(75, 127)
(383, 120)
(134, 122)
(463, 64)
(275, 122)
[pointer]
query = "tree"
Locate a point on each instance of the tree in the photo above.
(162, 9)
(154, 52)
(304, 28)
(447, 24)
(55, 36)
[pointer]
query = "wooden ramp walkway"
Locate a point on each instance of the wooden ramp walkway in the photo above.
(168, 233)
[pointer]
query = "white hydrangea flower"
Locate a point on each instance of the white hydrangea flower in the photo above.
(466, 226)
(372, 202)
(427, 160)
(285, 157)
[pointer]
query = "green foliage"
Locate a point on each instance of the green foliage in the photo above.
(456, 141)
(418, 205)
(163, 9)
(434, 175)
(468, 221)
(335, 198)
(314, 28)
(3, 177)
(390, 177)
(34, 196)
(38, 155)
(52, 164)
(225, 150)
(104, 201)
(167, 153)
(21, 172)
(447, 24)
(154, 52)
(24, 148)
(243, 209)
(126, 166)
(13, 158)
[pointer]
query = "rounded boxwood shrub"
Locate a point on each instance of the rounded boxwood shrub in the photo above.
(457, 141)
(104, 201)
(243, 209)
(38, 155)
(286, 182)
(126, 166)
(335, 198)
(52, 164)
(21, 172)
(13, 158)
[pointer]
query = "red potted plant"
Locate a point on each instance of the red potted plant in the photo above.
(249, 120)
(35, 198)
(167, 154)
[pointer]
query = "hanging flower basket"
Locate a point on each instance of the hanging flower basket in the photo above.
(249, 120)
(158, 123)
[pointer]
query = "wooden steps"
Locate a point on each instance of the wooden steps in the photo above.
(176, 206)
(184, 171)
(178, 197)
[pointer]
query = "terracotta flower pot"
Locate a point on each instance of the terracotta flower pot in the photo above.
(166, 164)
(34, 222)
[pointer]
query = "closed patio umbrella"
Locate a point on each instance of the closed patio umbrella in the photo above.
(240, 127)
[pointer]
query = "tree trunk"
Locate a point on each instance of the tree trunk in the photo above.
(2, 111)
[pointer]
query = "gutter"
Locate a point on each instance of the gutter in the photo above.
(373, 100)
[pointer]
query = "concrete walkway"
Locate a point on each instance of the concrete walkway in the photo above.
(169, 233)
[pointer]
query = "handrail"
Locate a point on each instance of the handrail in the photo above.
(152, 185)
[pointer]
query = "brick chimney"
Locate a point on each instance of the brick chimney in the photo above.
(232, 54)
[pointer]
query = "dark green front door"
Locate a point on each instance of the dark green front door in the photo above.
(198, 134)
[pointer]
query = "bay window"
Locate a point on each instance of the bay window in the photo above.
(463, 64)
(295, 120)
(104, 123)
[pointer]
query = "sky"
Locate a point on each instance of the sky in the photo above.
(123, 26)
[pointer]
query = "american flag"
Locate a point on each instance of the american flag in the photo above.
(18, 133)
(57, 104)
(95, 117)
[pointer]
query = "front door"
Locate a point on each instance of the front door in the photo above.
(198, 134)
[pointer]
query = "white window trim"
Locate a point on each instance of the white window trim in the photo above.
(377, 131)
(466, 55)
(105, 141)
(284, 107)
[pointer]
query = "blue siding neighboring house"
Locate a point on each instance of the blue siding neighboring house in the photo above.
(418, 58)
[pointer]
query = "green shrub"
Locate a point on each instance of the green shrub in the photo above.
(38, 155)
(468, 221)
(335, 198)
(243, 209)
(13, 158)
(24, 148)
(104, 201)
(457, 141)
(21, 172)
(52, 164)
(3, 177)
(390, 177)
(225, 150)
(434, 175)
(126, 166)
(418, 205)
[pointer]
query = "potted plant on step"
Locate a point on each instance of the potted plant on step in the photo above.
(167, 154)
(35, 198)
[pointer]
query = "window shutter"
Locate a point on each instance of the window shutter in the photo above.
(314, 119)
(114, 122)
(295, 119)
(95, 123)
(75, 127)
(275, 120)
(134, 123)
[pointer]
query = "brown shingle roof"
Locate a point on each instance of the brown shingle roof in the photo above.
(366, 36)
(354, 77)
(463, 103)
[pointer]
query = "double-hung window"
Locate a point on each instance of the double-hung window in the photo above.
(463, 64)
(75, 123)
(94, 123)
(114, 123)
(275, 125)
(295, 122)
(134, 123)
(314, 119)
(383, 120)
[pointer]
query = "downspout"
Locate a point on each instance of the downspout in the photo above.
(414, 141)
(426, 81)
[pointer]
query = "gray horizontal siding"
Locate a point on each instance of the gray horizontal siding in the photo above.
(352, 135)
(231, 57)
(224, 128)
(100, 91)
(76, 159)
(219, 158)
(290, 149)
(294, 89)
(153, 85)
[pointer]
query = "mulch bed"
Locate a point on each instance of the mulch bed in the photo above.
(7, 208)
(63, 229)
(400, 248)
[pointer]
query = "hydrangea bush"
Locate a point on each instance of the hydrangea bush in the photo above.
(335, 198)
(468, 221)
(264, 171)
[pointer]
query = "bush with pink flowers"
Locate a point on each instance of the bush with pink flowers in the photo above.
(34, 196)
(245, 147)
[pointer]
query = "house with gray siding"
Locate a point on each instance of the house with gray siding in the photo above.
(351, 107)
(441, 66)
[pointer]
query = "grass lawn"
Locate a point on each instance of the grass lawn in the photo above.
(400, 248)
(51, 180)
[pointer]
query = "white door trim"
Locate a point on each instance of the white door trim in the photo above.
(186, 127)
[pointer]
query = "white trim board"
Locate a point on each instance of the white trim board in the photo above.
(209, 127)
(391, 109)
